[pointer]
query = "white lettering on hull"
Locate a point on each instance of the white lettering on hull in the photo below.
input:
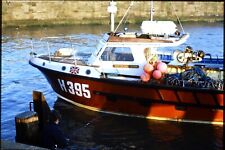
(62, 85)
(78, 89)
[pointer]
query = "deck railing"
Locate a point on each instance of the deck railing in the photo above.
(65, 40)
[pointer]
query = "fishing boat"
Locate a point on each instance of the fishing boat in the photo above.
(127, 75)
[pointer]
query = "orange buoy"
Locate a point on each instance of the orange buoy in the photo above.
(157, 74)
(148, 68)
(161, 66)
(145, 77)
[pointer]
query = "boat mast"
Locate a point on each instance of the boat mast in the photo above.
(112, 10)
(151, 10)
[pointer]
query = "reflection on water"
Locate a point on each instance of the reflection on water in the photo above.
(88, 129)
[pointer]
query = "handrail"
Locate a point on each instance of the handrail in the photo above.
(48, 41)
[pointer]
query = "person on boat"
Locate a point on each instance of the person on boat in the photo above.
(53, 137)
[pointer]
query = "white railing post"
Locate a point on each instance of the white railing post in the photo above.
(49, 55)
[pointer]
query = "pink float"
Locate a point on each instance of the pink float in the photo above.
(145, 77)
(162, 67)
(148, 68)
(157, 74)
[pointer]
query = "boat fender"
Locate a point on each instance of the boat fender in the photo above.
(148, 68)
(157, 74)
(145, 77)
(162, 67)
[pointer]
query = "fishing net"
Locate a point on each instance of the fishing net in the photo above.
(194, 77)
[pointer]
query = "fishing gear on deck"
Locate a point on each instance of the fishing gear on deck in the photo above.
(194, 77)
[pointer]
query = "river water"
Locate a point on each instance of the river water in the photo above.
(88, 129)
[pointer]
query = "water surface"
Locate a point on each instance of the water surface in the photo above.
(92, 130)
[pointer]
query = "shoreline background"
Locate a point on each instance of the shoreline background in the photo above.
(28, 13)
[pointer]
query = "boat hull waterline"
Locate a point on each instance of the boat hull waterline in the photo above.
(134, 98)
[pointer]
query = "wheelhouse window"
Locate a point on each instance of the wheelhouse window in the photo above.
(117, 54)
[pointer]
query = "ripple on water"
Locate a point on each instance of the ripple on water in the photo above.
(92, 130)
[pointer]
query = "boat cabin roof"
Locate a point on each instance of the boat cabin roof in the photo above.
(132, 43)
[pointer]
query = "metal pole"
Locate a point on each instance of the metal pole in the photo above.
(151, 11)
(32, 46)
(112, 10)
(112, 22)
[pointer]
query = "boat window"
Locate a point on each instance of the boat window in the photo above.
(117, 54)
